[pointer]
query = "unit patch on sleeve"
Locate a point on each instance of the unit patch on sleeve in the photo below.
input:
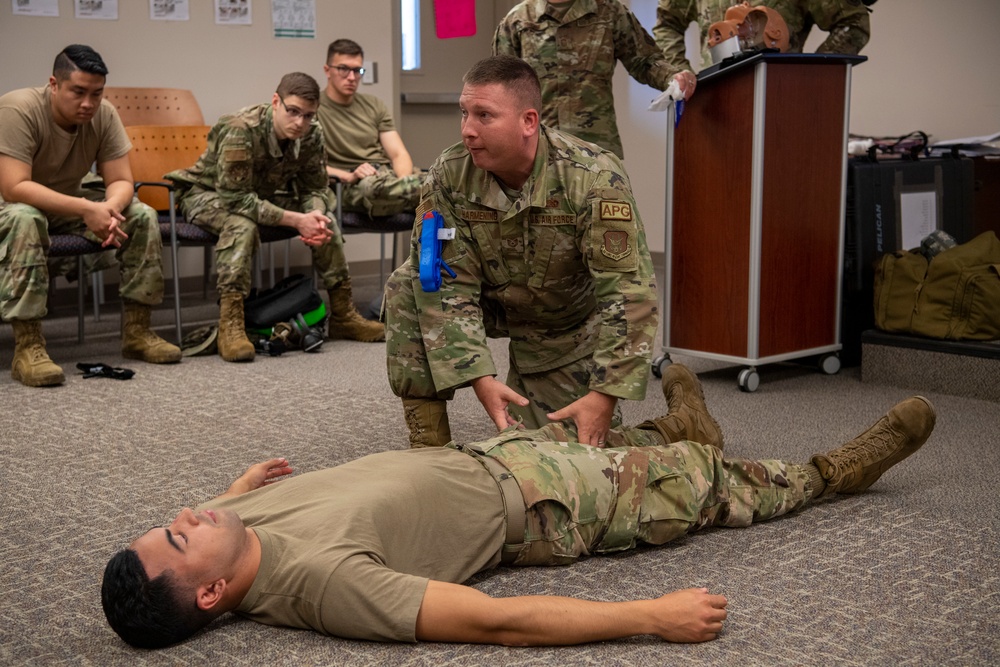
(616, 210)
(614, 235)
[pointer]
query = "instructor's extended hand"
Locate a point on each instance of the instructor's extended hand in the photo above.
(592, 415)
(495, 396)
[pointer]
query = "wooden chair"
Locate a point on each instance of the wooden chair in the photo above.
(155, 106)
(156, 151)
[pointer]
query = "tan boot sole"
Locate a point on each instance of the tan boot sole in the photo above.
(49, 380)
(166, 357)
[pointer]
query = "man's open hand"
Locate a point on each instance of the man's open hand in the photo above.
(258, 475)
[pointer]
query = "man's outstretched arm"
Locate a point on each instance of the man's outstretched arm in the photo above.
(455, 613)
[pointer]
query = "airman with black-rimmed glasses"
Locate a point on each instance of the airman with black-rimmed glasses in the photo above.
(364, 152)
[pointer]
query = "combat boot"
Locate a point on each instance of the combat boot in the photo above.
(139, 341)
(346, 321)
(687, 415)
(856, 465)
(232, 340)
(427, 420)
(32, 366)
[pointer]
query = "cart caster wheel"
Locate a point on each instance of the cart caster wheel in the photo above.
(830, 364)
(748, 380)
(659, 364)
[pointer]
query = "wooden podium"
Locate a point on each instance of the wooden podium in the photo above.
(756, 177)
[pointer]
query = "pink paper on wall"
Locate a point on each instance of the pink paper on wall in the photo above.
(454, 18)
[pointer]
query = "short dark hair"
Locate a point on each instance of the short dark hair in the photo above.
(345, 47)
(78, 57)
(299, 85)
(148, 613)
(512, 73)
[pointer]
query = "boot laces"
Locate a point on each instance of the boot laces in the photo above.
(36, 353)
(871, 447)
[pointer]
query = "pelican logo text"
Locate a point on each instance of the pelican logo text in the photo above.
(616, 210)
(616, 245)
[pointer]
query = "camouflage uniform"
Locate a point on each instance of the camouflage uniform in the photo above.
(575, 58)
(561, 268)
(24, 248)
(582, 501)
(383, 193)
(672, 19)
(32, 136)
(245, 179)
(847, 22)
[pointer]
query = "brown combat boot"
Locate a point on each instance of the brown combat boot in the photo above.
(427, 420)
(139, 341)
(687, 415)
(233, 342)
(32, 366)
(856, 465)
(346, 321)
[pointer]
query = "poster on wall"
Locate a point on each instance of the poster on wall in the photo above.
(295, 19)
(102, 10)
(169, 10)
(34, 7)
(233, 12)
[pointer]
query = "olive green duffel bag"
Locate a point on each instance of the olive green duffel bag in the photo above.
(955, 295)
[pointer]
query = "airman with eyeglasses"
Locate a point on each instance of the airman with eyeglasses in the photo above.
(363, 149)
(264, 167)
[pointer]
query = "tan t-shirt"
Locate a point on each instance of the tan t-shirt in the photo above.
(348, 551)
(59, 159)
(351, 132)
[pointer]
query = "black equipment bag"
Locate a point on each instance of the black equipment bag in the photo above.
(291, 296)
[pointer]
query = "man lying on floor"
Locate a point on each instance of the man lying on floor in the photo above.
(377, 548)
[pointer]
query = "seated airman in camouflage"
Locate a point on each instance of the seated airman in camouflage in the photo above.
(49, 139)
(264, 165)
(378, 548)
(549, 251)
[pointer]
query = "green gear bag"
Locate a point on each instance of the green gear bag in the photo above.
(954, 295)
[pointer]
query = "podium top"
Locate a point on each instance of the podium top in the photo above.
(740, 61)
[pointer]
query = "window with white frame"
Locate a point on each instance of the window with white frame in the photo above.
(410, 12)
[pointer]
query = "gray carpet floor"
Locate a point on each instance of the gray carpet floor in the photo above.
(906, 574)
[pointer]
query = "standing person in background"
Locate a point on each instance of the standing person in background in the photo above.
(846, 21)
(574, 46)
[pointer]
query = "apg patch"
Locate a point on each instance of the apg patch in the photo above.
(616, 210)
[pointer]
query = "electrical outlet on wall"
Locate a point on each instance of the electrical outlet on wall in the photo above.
(371, 72)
